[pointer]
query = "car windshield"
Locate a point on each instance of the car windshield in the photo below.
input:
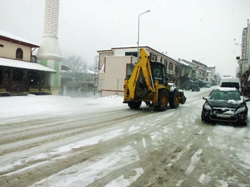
(225, 95)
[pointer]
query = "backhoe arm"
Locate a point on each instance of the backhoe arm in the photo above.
(142, 66)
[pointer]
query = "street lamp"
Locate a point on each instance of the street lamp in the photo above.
(139, 33)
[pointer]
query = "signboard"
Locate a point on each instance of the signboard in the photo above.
(244, 43)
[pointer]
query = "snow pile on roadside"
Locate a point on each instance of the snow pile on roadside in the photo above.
(49, 105)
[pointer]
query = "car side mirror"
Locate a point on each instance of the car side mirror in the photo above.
(205, 98)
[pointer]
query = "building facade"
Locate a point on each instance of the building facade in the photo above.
(20, 73)
(115, 65)
(244, 61)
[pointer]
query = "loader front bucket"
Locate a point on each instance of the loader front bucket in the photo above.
(182, 98)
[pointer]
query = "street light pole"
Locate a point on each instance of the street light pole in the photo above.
(139, 33)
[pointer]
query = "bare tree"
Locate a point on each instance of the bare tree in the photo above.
(76, 64)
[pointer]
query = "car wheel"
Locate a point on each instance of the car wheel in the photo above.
(163, 100)
(134, 105)
(244, 124)
(204, 119)
(174, 99)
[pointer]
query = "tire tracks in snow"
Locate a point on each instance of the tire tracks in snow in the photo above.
(53, 131)
(57, 162)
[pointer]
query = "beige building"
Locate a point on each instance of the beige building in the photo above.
(19, 72)
(115, 65)
(211, 75)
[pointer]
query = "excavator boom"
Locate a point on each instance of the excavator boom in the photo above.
(148, 83)
(142, 66)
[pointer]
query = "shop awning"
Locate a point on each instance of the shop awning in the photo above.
(24, 65)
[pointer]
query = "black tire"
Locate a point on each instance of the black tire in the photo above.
(162, 100)
(242, 124)
(206, 120)
(174, 99)
(203, 118)
(134, 105)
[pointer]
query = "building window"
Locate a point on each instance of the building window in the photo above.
(170, 66)
(19, 53)
(1, 75)
(176, 69)
(150, 56)
(153, 57)
(17, 75)
(131, 54)
(129, 70)
(36, 78)
(166, 63)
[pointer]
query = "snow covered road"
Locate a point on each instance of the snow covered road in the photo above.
(63, 141)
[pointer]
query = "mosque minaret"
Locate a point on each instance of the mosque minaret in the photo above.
(49, 53)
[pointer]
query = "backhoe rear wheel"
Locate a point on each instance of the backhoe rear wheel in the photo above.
(162, 100)
(134, 105)
(174, 99)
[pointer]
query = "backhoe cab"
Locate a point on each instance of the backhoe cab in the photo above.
(148, 83)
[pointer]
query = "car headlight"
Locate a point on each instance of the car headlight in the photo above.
(241, 109)
(207, 106)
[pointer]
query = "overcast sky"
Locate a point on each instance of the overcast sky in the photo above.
(189, 29)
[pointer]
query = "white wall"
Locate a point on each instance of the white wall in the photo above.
(112, 79)
(121, 52)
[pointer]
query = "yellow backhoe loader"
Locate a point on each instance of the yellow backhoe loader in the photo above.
(148, 83)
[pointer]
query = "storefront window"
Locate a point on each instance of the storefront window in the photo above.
(17, 75)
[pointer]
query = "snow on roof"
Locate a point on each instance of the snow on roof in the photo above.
(184, 63)
(226, 88)
(90, 71)
(211, 66)
(14, 37)
(24, 65)
(121, 47)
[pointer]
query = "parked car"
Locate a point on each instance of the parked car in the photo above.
(195, 88)
(208, 86)
(225, 105)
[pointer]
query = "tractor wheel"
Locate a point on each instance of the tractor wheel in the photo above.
(174, 99)
(162, 100)
(134, 105)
